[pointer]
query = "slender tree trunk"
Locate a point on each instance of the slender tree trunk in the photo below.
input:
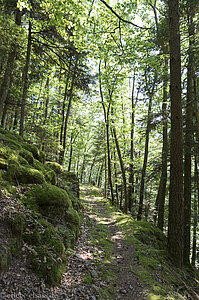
(195, 211)
(122, 170)
(140, 209)
(47, 101)
(188, 147)
(4, 115)
(61, 159)
(25, 81)
(100, 175)
(91, 169)
(7, 77)
(176, 204)
(131, 188)
(71, 153)
(106, 117)
(163, 179)
(64, 100)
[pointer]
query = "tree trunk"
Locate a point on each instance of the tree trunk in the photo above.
(106, 118)
(131, 188)
(188, 146)
(25, 81)
(176, 205)
(99, 179)
(91, 169)
(4, 115)
(62, 152)
(7, 77)
(47, 101)
(163, 179)
(122, 170)
(195, 212)
(64, 101)
(140, 209)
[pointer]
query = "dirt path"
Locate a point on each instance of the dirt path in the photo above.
(124, 260)
(84, 275)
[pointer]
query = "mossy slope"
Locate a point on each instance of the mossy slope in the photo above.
(45, 219)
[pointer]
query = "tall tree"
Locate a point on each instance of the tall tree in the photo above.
(176, 203)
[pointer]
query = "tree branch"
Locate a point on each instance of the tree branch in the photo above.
(120, 18)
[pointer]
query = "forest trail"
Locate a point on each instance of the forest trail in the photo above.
(123, 260)
(101, 265)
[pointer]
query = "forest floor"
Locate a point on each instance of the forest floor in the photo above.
(102, 265)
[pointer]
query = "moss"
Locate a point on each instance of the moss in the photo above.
(23, 174)
(48, 195)
(27, 155)
(12, 135)
(4, 151)
(75, 201)
(3, 261)
(17, 225)
(10, 142)
(72, 216)
(69, 176)
(46, 252)
(67, 235)
(49, 174)
(51, 177)
(3, 164)
(57, 168)
(37, 154)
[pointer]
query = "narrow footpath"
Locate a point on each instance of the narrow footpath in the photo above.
(101, 265)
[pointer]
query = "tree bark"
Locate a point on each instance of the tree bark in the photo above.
(131, 188)
(195, 212)
(163, 179)
(176, 204)
(7, 77)
(106, 118)
(25, 81)
(140, 209)
(62, 152)
(64, 100)
(122, 170)
(188, 145)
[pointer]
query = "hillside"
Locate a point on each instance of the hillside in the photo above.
(41, 256)
(39, 209)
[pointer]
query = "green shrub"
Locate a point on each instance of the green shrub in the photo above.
(23, 174)
(57, 168)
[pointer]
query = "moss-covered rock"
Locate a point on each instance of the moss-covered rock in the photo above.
(23, 174)
(37, 154)
(10, 142)
(4, 151)
(51, 177)
(57, 168)
(49, 195)
(69, 177)
(72, 217)
(27, 155)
